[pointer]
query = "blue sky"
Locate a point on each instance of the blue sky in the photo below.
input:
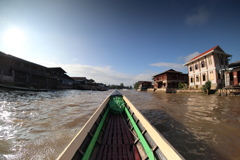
(118, 41)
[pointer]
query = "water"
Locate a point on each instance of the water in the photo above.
(39, 125)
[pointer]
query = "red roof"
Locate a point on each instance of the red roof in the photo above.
(204, 53)
(169, 71)
(207, 52)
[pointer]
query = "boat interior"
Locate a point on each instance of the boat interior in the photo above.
(117, 139)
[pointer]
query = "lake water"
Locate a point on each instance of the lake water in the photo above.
(39, 125)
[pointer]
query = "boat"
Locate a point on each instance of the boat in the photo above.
(117, 130)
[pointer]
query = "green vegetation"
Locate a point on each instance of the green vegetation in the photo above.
(182, 85)
(206, 88)
(136, 85)
(121, 86)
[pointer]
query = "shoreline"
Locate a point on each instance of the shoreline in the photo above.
(174, 90)
(219, 92)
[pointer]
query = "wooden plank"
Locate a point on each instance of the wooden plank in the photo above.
(120, 143)
(114, 146)
(105, 151)
(108, 147)
(102, 148)
(117, 140)
(129, 141)
(110, 139)
(92, 143)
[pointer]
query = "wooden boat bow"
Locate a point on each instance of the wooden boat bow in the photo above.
(124, 135)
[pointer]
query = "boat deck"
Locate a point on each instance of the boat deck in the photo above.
(118, 141)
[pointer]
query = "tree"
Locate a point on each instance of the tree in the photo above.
(182, 85)
(136, 85)
(121, 86)
(206, 87)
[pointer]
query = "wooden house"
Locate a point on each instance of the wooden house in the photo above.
(144, 85)
(168, 81)
(232, 74)
(80, 80)
(17, 72)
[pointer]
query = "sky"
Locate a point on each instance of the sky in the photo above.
(118, 41)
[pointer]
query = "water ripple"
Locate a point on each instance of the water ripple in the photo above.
(39, 125)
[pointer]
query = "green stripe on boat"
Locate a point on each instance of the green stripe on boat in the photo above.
(95, 137)
(146, 147)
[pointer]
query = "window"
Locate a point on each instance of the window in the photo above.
(202, 64)
(190, 68)
(197, 79)
(191, 80)
(219, 75)
(210, 61)
(211, 75)
(196, 66)
(204, 77)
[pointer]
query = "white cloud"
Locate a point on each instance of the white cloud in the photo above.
(75, 59)
(190, 56)
(104, 74)
(199, 18)
(169, 65)
(176, 66)
(101, 74)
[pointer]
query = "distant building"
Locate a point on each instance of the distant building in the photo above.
(80, 80)
(81, 83)
(208, 66)
(16, 72)
(168, 81)
(144, 85)
(88, 84)
(232, 74)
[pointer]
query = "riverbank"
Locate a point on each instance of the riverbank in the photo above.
(219, 92)
(174, 90)
(94, 87)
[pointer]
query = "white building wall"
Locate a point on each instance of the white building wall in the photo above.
(203, 66)
(215, 62)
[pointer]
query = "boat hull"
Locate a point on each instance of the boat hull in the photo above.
(139, 141)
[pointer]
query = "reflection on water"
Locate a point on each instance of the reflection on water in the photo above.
(39, 125)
